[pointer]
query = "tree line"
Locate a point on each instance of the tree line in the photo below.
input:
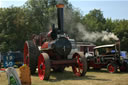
(17, 24)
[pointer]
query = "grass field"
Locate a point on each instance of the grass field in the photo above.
(68, 78)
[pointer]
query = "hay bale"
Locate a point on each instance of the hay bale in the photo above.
(25, 75)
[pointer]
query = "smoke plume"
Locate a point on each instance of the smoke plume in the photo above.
(71, 25)
(94, 36)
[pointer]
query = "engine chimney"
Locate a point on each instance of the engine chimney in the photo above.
(60, 15)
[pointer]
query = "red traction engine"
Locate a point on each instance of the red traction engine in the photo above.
(51, 52)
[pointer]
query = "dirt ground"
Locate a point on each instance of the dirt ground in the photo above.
(68, 78)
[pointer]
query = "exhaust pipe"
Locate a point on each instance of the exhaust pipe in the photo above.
(60, 15)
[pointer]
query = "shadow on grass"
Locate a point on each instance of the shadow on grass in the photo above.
(100, 71)
(68, 75)
(105, 71)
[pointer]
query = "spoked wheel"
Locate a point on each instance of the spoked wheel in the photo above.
(112, 68)
(31, 54)
(26, 54)
(80, 68)
(44, 66)
(123, 67)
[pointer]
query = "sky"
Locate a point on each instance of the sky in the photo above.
(115, 9)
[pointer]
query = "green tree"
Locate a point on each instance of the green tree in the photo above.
(121, 30)
(109, 25)
(94, 20)
(17, 24)
(12, 28)
(39, 10)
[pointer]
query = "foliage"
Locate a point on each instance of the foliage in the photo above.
(94, 20)
(13, 28)
(121, 30)
(17, 24)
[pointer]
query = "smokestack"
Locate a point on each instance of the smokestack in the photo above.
(60, 15)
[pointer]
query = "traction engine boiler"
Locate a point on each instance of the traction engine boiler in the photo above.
(51, 52)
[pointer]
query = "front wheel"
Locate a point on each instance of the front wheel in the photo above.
(80, 68)
(112, 68)
(44, 66)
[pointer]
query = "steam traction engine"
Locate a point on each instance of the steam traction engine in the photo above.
(51, 52)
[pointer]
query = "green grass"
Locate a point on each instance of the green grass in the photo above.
(68, 78)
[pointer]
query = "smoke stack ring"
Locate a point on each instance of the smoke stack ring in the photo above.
(60, 6)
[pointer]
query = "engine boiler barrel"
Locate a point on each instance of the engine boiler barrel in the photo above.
(60, 15)
(62, 47)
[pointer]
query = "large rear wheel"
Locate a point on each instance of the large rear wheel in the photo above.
(31, 54)
(80, 68)
(44, 66)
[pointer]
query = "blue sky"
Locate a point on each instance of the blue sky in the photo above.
(115, 9)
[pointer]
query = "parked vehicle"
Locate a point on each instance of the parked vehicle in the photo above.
(108, 56)
(86, 47)
(12, 58)
(18, 58)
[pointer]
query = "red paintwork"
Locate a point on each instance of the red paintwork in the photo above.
(2, 69)
(45, 45)
(111, 68)
(41, 67)
(92, 64)
(49, 33)
(26, 54)
(78, 70)
(61, 62)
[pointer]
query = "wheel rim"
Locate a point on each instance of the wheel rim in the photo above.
(78, 69)
(41, 67)
(26, 54)
(111, 68)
